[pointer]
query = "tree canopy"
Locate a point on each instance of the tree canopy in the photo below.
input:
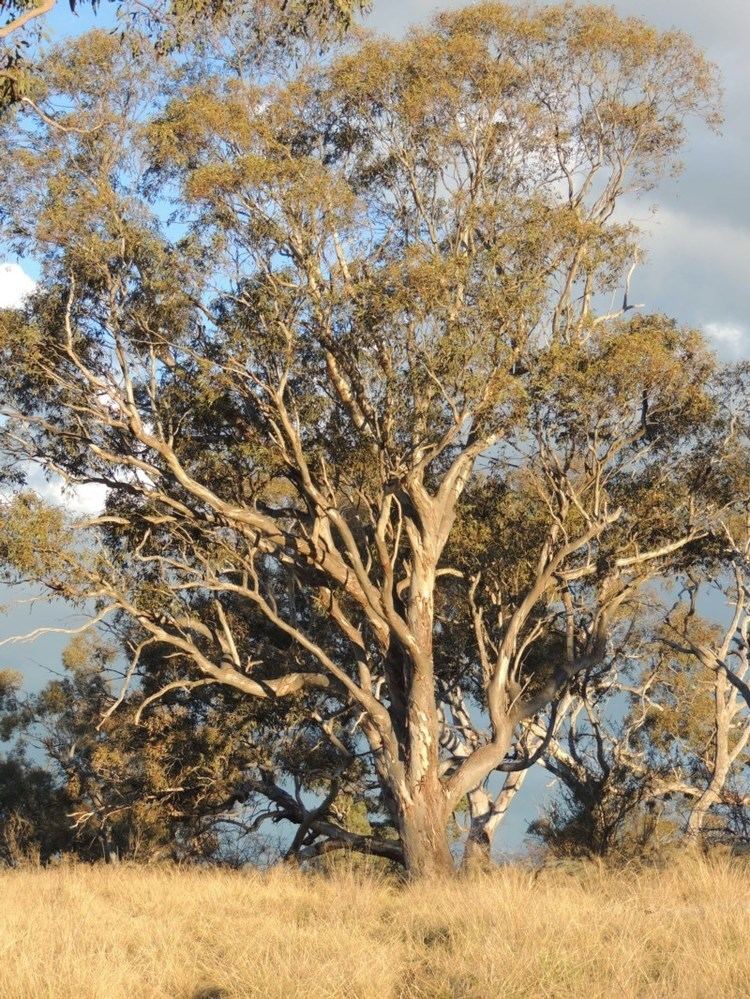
(170, 25)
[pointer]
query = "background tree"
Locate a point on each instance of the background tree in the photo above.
(616, 789)
(721, 730)
(203, 778)
(673, 762)
(32, 809)
(361, 385)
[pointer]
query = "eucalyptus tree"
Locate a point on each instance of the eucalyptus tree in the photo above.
(706, 691)
(362, 381)
(658, 756)
(719, 757)
(620, 783)
(655, 748)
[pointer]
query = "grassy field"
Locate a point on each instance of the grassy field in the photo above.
(109, 933)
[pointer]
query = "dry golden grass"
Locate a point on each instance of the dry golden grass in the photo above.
(107, 933)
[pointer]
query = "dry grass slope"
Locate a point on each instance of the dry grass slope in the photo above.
(103, 933)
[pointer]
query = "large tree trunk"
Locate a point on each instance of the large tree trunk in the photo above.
(423, 825)
(423, 807)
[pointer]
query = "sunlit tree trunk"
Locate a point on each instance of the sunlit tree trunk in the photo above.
(719, 764)
(485, 818)
(423, 822)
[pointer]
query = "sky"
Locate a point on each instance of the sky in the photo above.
(697, 265)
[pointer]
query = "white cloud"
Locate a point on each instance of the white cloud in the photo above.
(80, 501)
(727, 335)
(15, 286)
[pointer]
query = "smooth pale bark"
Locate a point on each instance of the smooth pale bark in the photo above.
(720, 763)
(423, 806)
(478, 848)
(700, 811)
(485, 817)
